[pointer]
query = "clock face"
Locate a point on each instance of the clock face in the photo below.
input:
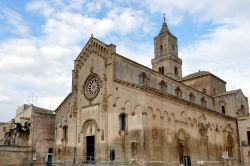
(92, 86)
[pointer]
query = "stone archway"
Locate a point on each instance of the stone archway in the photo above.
(182, 144)
(89, 130)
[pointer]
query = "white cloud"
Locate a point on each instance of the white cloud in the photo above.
(42, 64)
(42, 7)
(204, 10)
(15, 22)
(224, 52)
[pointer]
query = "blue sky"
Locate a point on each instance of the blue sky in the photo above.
(39, 41)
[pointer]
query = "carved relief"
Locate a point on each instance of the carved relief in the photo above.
(169, 136)
(102, 135)
(155, 136)
(133, 144)
(203, 128)
(90, 130)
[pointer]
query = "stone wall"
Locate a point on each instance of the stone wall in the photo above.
(15, 155)
(4, 127)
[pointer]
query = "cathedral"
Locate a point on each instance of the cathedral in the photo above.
(122, 113)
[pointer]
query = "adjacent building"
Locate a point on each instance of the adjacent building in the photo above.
(244, 137)
(29, 137)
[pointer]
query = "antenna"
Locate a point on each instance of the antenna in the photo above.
(50, 102)
(32, 97)
(36, 101)
(28, 100)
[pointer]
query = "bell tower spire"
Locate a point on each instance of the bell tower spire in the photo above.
(166, 60)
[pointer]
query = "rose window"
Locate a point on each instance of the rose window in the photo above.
(92, 87)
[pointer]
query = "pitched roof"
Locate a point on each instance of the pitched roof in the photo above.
(164, 29)
(228, 92)
(200, 74)
(197, 74)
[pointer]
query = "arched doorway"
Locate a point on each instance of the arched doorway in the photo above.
(182, 145)
(89, 141)
(230, 145)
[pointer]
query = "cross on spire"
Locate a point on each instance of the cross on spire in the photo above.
(164, 18)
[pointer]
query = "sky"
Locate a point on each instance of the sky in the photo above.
(39, 41)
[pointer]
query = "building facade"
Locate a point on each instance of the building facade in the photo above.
(124, 113)
(244, 136)
(29, 137)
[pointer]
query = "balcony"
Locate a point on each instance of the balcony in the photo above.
(245, 143)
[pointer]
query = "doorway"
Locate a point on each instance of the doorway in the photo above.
(90, 143)
(181, 152)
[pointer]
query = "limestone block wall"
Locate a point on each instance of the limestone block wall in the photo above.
(42, 134)
(235, 103)
(244, 127)
(128, 72)
(15, 155)
(159, 126)
(4, 127)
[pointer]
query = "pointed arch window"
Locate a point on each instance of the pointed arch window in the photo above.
(176, 70)
(203, 102)
(191, 97)
(223, 110)
(204, 90)
(65, 133)
(242, 110)
(222, 106)
(163, 86)
(161, 69)
(178, 92)
(143, 79)
(123, 121)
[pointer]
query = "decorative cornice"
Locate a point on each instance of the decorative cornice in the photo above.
(167, 57)
(93, 46)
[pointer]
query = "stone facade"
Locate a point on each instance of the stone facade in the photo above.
(30, 136)
(244, 137)
(122, 112)
(15, 155)
(4, 127)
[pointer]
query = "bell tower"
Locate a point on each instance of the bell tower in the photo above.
(166, 60)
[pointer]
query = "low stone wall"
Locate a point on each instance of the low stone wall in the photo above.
(15, 155)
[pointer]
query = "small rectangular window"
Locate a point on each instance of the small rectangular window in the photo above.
(123, 121)
(50, 150)
(248, 137)
(4, 129)
(112, 155)
(65, 133)
(175, 70)
(223, 109)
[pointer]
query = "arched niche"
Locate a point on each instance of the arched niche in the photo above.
(128, 107)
